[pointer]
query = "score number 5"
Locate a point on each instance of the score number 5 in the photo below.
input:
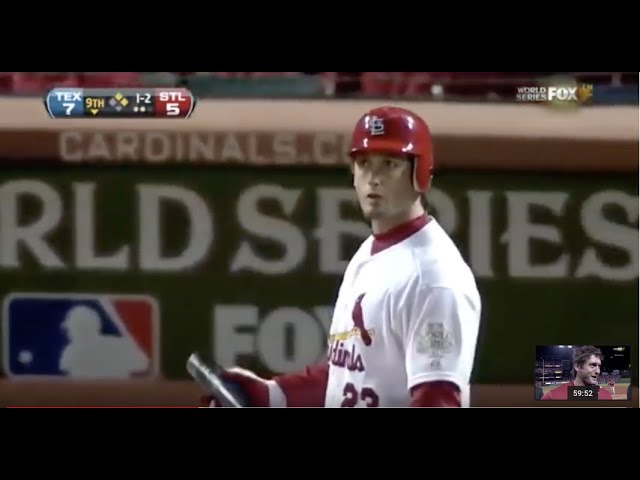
(352, 396)
(172, 109)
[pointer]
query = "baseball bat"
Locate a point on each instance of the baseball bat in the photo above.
(207, 374)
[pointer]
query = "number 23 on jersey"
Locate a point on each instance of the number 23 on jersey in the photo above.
(351, 396)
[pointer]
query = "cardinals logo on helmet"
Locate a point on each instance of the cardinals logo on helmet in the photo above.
(376, 125)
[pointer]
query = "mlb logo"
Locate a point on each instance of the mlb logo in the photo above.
(83, 336)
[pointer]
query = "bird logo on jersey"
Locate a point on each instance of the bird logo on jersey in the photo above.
(85, 336)
(358, 320)
(347, 356)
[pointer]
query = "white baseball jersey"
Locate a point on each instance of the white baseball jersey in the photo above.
(405, 315)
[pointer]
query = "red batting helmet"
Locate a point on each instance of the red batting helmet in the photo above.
(396, 131)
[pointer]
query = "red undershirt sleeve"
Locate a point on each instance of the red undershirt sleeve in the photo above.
(435, 394)
(306, 388)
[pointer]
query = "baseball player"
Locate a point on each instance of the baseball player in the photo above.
(612, 385)
(586, 371)
(405, 324)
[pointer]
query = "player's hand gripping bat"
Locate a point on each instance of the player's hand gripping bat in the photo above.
(208, 375)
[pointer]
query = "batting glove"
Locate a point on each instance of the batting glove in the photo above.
(258, 391)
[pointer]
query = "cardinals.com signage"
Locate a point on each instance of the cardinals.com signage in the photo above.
(246, 263)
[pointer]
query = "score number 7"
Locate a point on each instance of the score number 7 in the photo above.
(69, 107)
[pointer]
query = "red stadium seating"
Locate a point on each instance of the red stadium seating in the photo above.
(30, 83)
(110, 80)
(437, 85)
(6, 82)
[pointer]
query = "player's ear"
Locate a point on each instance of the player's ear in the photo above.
(428, 189)
(352, 172)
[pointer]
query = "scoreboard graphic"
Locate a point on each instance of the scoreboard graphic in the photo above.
(119, 103)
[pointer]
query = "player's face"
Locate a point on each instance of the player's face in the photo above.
(589, 371)
(384, 185)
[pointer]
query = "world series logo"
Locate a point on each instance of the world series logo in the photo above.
(555, 94)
